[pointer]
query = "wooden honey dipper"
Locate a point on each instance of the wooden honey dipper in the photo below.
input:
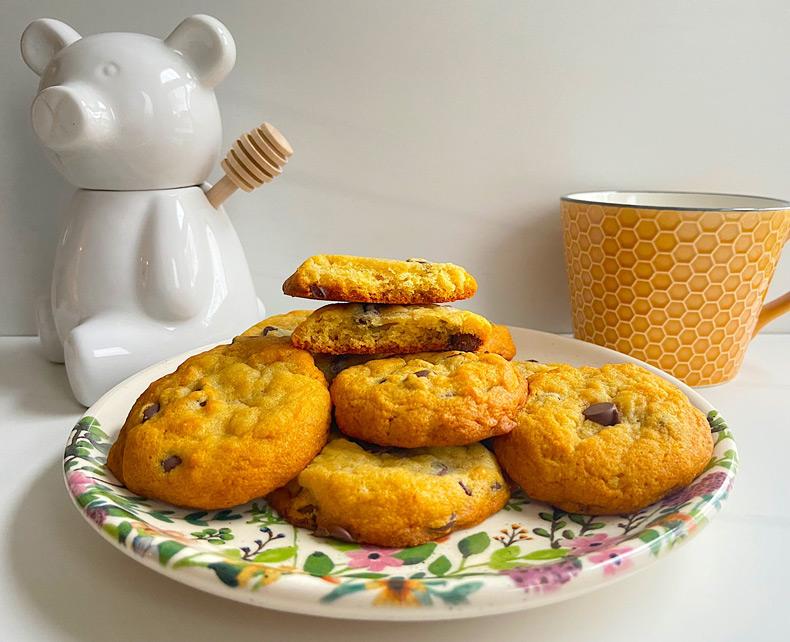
(255, 158)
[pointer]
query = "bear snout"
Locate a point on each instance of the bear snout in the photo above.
(66, 116)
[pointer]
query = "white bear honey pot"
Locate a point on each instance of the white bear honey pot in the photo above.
(148, 264)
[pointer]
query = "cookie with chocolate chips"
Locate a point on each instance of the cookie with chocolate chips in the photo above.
(279, 325)
(229, 425)
(430, 399)
(368, 280)
(370, 328)
(393, 497)
(604, 441)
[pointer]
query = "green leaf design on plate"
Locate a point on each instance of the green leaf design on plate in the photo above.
(275, 554)
(416, 554)
(197, 518)
(342, 546)
(227, 573)
(226, 514)
(474, 544)
(651, 537)
(505, 558)
(440, 566)
(167, 549)
(318, 564)
(541, 531)
(343, 589)
(124, 529)
(459, 594)
(547, 554)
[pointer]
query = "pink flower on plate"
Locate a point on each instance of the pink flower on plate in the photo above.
(78, 482)
(374, 558)
(98, 515)
(589, 544)
(613, 560)
(708, 485)
(546, 578)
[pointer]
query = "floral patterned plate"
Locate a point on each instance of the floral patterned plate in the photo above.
(527, 555)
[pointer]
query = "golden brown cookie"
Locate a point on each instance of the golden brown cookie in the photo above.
(370, 328)
(532, 367)
(499, 342)
(229, 425)
(393, 497)
(438, 399)
(604, 441)
(279, 325)
(367, 280)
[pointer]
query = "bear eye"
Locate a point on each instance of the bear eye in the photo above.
(109, 69)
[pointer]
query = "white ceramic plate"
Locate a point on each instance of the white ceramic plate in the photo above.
(527, 555)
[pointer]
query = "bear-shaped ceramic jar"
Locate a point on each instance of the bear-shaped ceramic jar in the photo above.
(145, 267)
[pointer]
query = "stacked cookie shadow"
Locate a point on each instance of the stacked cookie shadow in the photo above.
(414, 386)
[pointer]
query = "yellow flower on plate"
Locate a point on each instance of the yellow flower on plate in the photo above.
(396, 591)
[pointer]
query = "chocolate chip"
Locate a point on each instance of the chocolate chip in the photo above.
(338, 532)
(466, 490)
(496, 486)
(370, 308)
(602, 413)
(422, 373)
(170, 463)
(533, 361)
(450, 524)
(309, 508)
(203, 403)
(318, 291)
(150, 411)
(423, 261)
(268, 329)
(441, 468)
(465, 342)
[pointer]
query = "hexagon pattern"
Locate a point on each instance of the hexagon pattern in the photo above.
(679, 289)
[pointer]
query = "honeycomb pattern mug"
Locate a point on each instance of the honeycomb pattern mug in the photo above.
(675, 279)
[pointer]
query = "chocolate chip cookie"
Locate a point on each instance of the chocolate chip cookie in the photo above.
(393, 497)
(604, 441)
(279, 325)
(367, 280)
(436, 399)
(370, 328)
(499, 342)
(229, 425)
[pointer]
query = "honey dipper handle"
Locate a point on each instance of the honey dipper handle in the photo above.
(220, 192)
(256, 158)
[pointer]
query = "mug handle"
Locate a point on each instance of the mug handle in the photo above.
(772, 310)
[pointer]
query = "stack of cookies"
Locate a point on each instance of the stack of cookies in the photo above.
(414, 386)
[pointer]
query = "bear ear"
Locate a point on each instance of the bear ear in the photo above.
(208, 47)
(44, 38)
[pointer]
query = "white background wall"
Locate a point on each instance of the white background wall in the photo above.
(446, 130)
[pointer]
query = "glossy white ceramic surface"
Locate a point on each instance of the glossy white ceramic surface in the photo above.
(125, 111)
(140, 276)
(145, 267)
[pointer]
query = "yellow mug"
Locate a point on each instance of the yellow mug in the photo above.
(673, 278)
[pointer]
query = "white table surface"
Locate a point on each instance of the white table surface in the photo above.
(60, 581)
